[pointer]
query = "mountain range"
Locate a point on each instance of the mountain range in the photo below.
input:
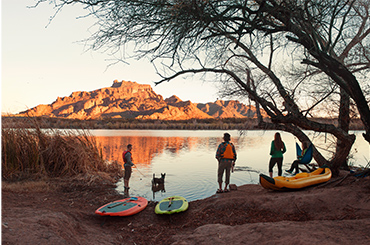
(128, 99)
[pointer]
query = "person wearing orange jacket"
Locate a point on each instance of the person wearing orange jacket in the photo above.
(226, 157)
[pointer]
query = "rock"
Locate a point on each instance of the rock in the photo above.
(233, 187)
(132, 100)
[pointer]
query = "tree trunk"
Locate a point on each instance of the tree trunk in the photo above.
(344, 146)
(340, 73)
(326, 62)
(340, 157)
(343, 123)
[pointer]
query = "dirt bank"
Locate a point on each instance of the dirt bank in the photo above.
(62, 212)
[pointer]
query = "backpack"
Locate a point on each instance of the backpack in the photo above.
(124, 156)
(228, 153)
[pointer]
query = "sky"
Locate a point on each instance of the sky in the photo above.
(41, 61)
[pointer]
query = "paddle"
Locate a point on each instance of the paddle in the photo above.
(170, 203)
(121, 203)
(139, 171)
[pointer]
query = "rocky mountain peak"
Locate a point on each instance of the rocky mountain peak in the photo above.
(173, 99)
(126, 99)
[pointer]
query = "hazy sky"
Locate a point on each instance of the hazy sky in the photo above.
(41, 62)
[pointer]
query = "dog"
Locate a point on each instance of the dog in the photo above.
(157, 181)
(159, 187)
(158, 184)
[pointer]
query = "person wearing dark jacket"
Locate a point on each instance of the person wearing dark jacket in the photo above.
(127, 158)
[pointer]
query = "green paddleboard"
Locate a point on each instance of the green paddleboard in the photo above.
(170, 205)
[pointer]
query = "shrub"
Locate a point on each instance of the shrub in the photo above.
(31, 152)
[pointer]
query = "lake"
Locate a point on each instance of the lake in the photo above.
(188, 158)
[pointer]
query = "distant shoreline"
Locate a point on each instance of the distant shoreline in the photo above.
(114, 123)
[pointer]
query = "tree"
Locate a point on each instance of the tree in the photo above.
(242, 42)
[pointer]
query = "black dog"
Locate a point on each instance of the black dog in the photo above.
(157, 181)
(158, 184)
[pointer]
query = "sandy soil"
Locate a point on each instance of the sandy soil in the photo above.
(62, 212)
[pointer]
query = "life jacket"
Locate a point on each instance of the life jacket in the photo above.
(124, 156)
(228, 153)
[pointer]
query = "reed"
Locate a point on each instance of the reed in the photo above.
(29, 152)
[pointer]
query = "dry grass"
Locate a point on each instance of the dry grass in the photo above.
(26, 186)
(29, 152)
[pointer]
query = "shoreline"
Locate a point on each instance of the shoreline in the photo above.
(64, 213)
(129, 124)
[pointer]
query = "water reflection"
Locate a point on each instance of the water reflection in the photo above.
(146, 148)
(188, 159)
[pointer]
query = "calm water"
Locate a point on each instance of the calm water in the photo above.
(188, 158)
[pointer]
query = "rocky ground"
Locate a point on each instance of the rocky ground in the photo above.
(61, 211)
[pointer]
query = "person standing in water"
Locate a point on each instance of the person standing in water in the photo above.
(276, 151)
(127, 158)
(226, 157)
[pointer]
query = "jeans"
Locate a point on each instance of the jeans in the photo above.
(224, 165)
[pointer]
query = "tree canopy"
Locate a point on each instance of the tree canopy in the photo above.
(291, 57)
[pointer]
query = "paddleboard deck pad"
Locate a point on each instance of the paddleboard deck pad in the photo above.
(124, 207)
(170, 205)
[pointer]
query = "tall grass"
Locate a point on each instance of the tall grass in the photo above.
(31, 152)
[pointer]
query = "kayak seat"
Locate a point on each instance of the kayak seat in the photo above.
(306, 158)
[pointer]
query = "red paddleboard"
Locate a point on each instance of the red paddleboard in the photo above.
(124, 207)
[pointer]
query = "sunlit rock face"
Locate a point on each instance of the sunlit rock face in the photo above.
(128, 99)
(229, 109)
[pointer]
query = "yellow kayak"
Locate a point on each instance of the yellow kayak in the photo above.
(298, 181)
